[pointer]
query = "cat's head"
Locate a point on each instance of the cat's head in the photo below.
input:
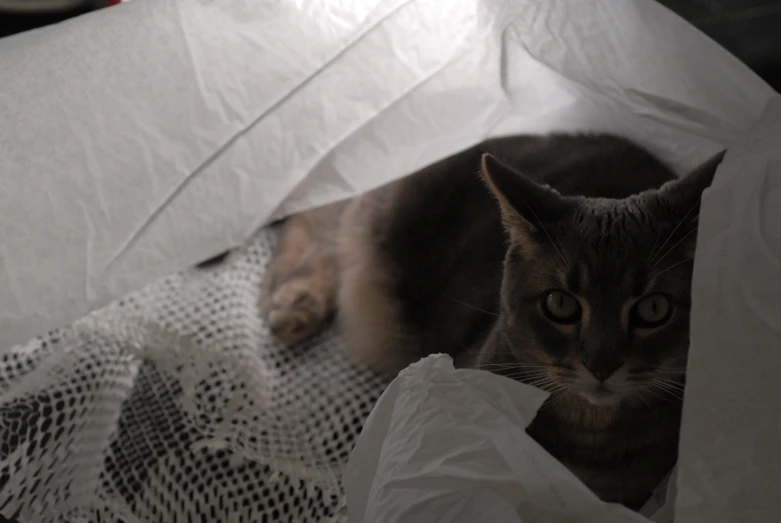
(597, 292)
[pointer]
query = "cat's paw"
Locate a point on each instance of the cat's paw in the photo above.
(295, 311)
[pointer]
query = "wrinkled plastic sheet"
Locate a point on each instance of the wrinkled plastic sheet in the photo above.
(144, 138)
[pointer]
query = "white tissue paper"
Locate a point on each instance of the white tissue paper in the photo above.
(150, 136)
(449, 445)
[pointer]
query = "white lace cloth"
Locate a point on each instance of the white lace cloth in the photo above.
(176, 405)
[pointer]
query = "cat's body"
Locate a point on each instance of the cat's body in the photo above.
(424, 266)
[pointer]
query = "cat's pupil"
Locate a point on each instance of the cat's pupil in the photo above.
(653, 310)
(561, 307)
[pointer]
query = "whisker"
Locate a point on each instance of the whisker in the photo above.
(672, 392)
(544, 384)
(672, 383)
(557, 390)
(674, 265)
(648, 405)
(538, 372)
(543, 381)
(515, 366)
(521, 370)
(671, 371)
(525, 375)
(556, 400)
(679, 399)
(465, 304)
(539, 381)
(674, 246)
(473, 353)
(668, 381)
(569, 256)
(566, 263)
(683, 220)
(653, 249)
(554, 276)
(514, 354)
(661, 397)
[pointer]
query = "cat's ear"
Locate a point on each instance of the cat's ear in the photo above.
(525, 204)
(684, 194)
(682, 197)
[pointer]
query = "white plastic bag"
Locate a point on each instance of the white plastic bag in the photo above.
(450, 446)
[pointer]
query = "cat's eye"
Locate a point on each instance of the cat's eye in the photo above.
(561, 307)
(651, 311)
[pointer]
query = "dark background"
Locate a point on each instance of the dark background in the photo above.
(750, 29)
(11, 23)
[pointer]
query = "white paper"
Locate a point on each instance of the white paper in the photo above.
(152, 135)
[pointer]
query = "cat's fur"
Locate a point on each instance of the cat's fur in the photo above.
(438, 262)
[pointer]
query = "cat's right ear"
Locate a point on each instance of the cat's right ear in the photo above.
(685, 193)
(525, 204)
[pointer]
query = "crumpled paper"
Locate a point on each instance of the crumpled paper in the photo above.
(449, 445)
(145, 138)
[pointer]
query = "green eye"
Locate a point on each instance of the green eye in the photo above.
(652, 311)
(561, 307)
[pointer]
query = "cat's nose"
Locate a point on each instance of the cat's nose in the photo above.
(602, 368)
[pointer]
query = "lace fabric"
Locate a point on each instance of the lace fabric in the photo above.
(175, 404)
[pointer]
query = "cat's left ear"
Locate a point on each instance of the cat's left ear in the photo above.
(684, 194)
(525, 204)
(682, 197)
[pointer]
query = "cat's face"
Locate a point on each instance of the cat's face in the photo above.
(596, 294)
(606, 308)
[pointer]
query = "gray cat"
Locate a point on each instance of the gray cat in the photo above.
(571, 271)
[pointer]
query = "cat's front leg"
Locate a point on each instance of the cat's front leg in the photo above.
(298, 298)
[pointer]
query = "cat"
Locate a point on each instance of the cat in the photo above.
(563, 261)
